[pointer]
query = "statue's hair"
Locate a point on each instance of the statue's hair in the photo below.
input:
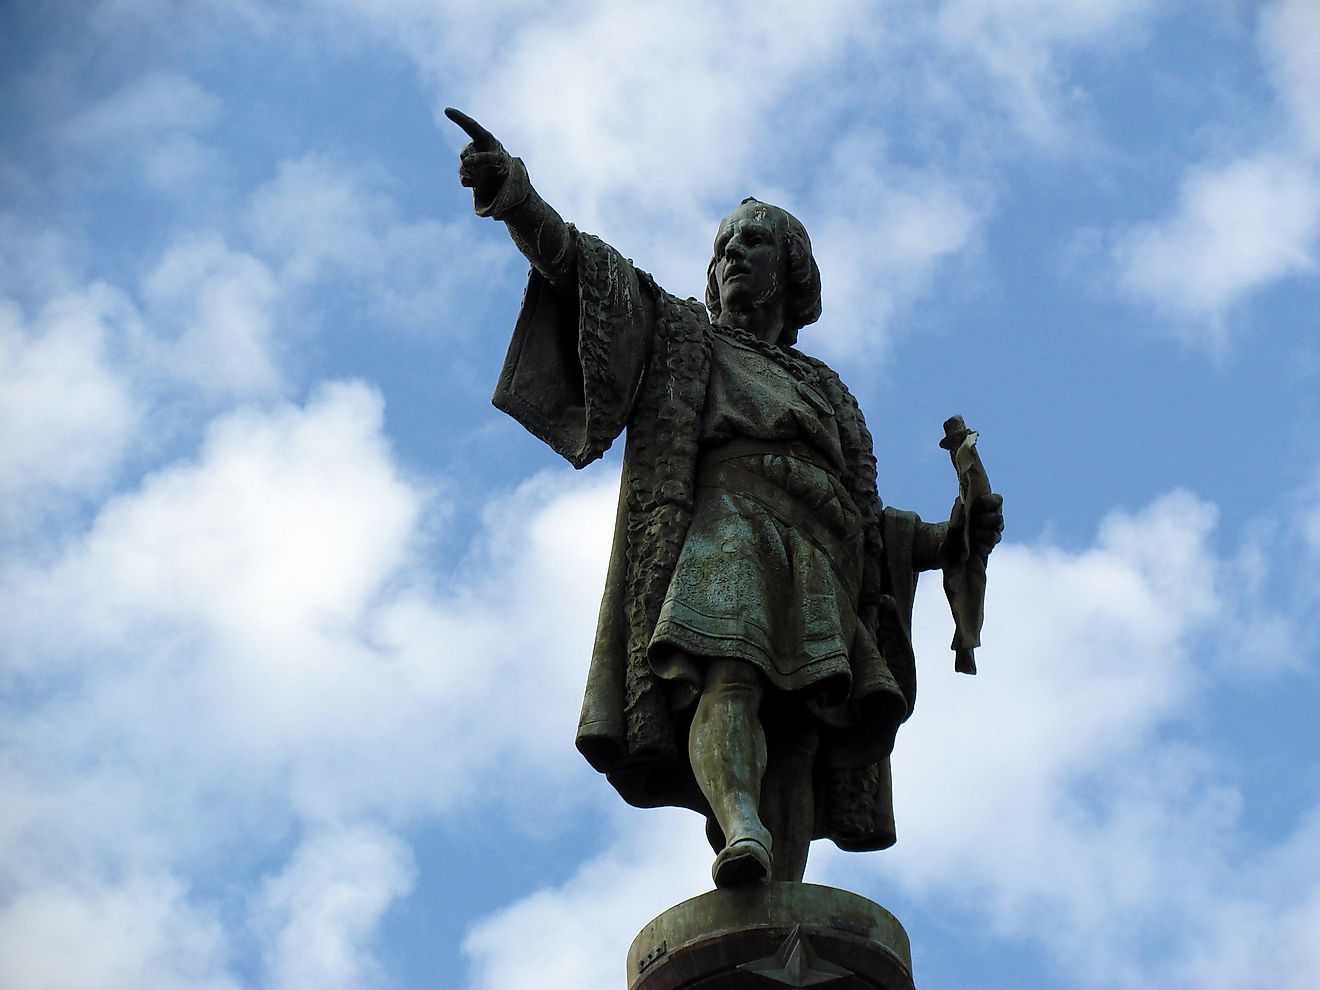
(802, 299)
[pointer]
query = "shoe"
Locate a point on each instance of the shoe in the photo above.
(743, 862)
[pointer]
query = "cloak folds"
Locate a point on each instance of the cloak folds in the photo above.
(625, 355)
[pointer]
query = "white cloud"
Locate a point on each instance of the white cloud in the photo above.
(252, 540)
(242, 648)
(1245, 222)
(1236, 228)
(432, 34)
(66, 414)
(313, 216)
(151, 123)
(1290, 37)
(213, 321)
(325, 905)
(212, 313)
(317, 221)
(701, 83)
(1012, 52)
(576, 935)
(270, 589)
(1087, 654)
(151, 103)
(883, 245)
(86, 381)
(90, 935)
(34, 259)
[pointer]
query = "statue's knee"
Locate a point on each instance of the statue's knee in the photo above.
(731, 679)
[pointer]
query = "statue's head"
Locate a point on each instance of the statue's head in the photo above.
(773, 255)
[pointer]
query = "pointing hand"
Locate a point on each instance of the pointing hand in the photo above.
(483, 164)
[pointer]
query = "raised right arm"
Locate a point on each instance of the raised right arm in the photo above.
(588, 319)
(502, 191)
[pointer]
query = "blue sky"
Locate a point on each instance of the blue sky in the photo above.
(295, 624)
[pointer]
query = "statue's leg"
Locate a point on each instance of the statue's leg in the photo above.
(788, 803)
(727, 749)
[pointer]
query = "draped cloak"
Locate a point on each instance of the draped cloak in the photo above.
(622, 356)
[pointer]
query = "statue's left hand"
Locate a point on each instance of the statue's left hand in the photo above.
(987, 523)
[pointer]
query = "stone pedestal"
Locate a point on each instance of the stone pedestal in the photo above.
(772, 936)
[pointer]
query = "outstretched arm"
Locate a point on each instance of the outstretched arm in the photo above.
(501, 190)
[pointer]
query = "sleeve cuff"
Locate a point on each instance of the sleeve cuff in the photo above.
(511, 194)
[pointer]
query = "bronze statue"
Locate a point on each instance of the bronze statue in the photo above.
(753, 658)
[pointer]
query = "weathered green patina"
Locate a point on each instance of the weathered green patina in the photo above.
(753, 657)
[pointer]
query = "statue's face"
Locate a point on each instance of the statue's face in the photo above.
(750, 269)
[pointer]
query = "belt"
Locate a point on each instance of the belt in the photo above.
(750, 447)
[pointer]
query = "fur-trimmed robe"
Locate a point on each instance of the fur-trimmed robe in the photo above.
(626, 355)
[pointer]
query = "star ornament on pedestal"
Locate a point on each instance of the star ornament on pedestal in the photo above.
(794, 964)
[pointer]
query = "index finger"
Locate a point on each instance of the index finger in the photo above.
(482, 138)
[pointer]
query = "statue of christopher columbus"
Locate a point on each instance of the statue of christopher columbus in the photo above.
(753, 659)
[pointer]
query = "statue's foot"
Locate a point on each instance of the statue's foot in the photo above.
(744, 861)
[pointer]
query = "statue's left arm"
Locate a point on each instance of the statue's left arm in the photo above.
(931, 549)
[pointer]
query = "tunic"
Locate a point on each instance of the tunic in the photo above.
(771, 569)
